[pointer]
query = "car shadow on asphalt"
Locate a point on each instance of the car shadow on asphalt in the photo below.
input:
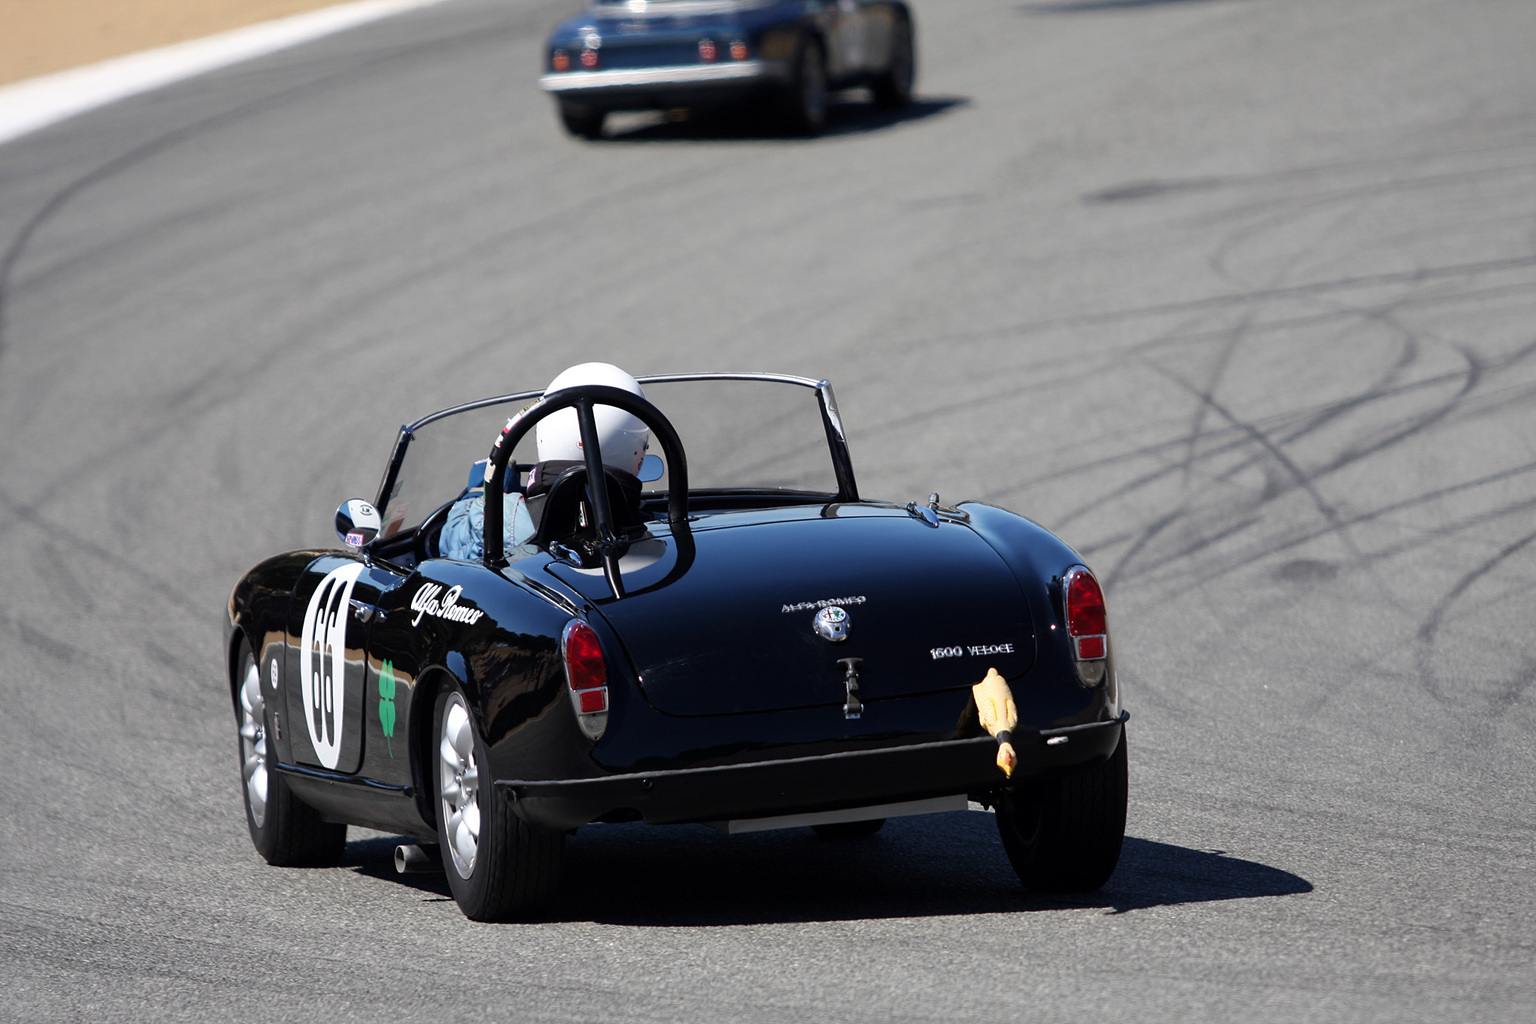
(938, 865)
(845, 116)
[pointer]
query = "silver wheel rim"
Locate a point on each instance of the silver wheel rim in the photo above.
(458, 786)
(253, 743)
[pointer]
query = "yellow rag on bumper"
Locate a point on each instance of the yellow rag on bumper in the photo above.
(999, 716)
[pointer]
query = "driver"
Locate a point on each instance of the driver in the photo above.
(622, 437)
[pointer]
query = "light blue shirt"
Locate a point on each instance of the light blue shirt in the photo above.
(463, 532)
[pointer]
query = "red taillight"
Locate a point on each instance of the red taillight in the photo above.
(560, 61)
(1086, 622)
(587, 675)
(738, 50)
(584, 666)
(707, 50)
(589, 59)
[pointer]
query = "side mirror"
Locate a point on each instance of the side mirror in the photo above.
(651, 468)
(357, 522)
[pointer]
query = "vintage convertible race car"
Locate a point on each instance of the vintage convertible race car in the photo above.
(788, 54)
(719, 630)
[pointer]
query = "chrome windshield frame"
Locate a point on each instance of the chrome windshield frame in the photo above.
(831, 419)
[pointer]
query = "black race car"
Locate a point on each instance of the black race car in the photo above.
(739, 640)
(661, 54)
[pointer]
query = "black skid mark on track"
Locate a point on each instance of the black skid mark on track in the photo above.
(1304, 480)
(215, 122)
(101, 555)
(54, 648)
(1430, 628)
(215, 387)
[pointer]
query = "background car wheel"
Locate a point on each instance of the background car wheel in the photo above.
(1063, 833)
(805, 104)
(498, 867)
(849, 829)
(582, 122)
(893, 88)
(285, 831)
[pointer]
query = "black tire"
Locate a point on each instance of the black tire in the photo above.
(513, 871)
(893, 89)
(582, 122)
(1063, 832)
(804, 104)
(284, 830)
(849, 829)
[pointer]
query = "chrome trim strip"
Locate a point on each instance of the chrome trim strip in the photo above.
(905, 809)
(682, 74)
(356, 781)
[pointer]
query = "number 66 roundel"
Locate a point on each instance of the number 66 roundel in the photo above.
(323, 660)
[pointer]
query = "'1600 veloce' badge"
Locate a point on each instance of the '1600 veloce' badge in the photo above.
(831, 623)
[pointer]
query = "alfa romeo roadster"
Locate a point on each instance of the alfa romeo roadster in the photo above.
(719, 630)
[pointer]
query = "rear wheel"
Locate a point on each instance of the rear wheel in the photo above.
(499, 868)
(582, 122)
(284, 831)
(894, 86)
(805, 104)
(1063, 832)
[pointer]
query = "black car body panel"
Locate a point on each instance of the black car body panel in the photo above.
(752, 649)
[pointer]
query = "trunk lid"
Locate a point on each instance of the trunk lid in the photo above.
(928, 609)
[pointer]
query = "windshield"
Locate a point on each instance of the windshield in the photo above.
(739, 433)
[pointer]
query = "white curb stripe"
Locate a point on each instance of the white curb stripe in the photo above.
(36, 103)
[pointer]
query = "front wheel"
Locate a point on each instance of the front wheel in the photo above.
(499, 868)
(1063, 832)
(284, 831)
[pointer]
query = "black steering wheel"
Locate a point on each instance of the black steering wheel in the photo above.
(585, 398)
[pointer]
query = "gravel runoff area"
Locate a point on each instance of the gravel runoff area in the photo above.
(44, 36)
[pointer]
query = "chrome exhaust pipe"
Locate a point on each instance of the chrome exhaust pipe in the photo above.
(413, 860)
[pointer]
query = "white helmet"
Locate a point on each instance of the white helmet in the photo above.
(622, 437)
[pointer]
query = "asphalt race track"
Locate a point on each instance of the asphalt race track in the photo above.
(1239, 296)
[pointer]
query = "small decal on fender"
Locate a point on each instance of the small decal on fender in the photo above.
(387, 703)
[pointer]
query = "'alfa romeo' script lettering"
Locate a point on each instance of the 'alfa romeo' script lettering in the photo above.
(427, 602)
(824, 602)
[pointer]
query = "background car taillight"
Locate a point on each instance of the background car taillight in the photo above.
(589, 58)
(586, 675)
(738, 50)
(1087, 625)
(707, 50)
(560, 61)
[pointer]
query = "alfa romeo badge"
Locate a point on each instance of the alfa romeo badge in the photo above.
(831, 623)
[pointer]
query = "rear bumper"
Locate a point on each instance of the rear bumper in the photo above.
(794, 785)
(656, 86)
